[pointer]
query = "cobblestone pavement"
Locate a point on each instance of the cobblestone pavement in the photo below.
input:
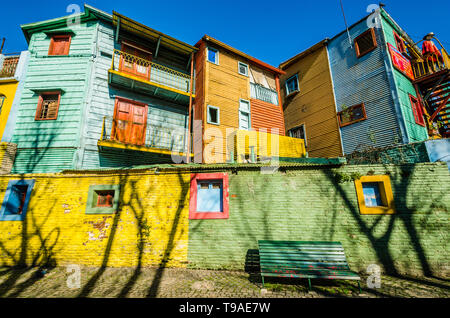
(190, 283)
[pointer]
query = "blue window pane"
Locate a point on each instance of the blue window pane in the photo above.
(292, 84)
(372, 197)
(16, 200)
(209, 196)
(212, 55)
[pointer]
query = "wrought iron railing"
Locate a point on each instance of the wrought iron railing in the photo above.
(9, 66)
(150, 71)
(430, 64)
(263, 93)
(153, 136)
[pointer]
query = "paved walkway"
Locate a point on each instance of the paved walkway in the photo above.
(188, 283)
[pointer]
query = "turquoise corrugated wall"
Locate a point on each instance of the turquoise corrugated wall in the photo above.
(45, 146)
(404, 87)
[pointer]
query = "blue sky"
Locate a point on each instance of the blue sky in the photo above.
(271, 31)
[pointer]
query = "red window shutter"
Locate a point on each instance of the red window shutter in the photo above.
(417, 110)
(59, 45)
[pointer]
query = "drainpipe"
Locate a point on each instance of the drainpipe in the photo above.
(188, 152)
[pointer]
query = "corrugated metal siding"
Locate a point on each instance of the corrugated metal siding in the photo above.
(160, 113)
(364, 80)
(266, 116)
(43, 160)
(404, 88)
(69, 73)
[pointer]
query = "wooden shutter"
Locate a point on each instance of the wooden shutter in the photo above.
(417, 111)
(60, 45)
(130, 120)
(365, 43)
(48, 106)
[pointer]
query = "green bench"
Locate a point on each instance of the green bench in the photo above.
(320, 260)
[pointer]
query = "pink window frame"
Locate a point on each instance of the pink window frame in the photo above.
(193, 214)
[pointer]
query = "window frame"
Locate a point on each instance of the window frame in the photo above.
(52, 43)
(41, 101)
(416, 107)
(288, 93)
(195, 178)
(16, 217)
(92, 200)
(217, 55)
(355, 121)
(360, 54)
(246, 67)
(2, 102)
(398, 39)
(304, 132)
(208, 118)
(385, 192)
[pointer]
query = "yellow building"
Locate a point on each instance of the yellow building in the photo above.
(12, 72)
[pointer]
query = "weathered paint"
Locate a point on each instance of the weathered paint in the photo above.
(314, 104)
(150, 227)
(365, 80)
(405, 88)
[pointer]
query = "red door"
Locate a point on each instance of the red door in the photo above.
(130, 120)
(136, 61)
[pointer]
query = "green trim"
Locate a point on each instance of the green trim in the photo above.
(92, 196)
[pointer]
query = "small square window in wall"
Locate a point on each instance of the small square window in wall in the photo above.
(103, 199)
(213, 115)
(213, 55)
(17, 198)
(48, 106)
(352, 115)
(375, 195)
(366, 43)
(242, 68)
(209, 196)
(60, 44)
(292, 85)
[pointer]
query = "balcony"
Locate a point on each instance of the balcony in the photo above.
(138, 74)
(136, 136)
(250, 146)
(430, 65)
(9, 66)
(263, 93)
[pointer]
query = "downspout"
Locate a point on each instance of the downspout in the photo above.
(188, 152)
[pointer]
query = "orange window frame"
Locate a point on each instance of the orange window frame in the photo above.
(41, 101)
(399, 43)
(417, 110)
(67, 44)
(363, 107)
(109, 199)
(374, 41)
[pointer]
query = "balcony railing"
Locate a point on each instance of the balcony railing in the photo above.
(149, 71)
(130, 133)
(9, 66)
(263, 93)
(431, 64)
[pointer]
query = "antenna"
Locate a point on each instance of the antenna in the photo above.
(3, 43)
(346, 25)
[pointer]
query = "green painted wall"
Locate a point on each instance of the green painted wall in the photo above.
(404, 87)
(307, 203)
(55, 141)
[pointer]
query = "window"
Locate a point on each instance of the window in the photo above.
(103, 199)
(209, 196)
(17, 197)
(48, 106)
(2, 101)
(298, 132)
(399, 43)
(213, 115)
(352, 115)
(292, 84)
(417, 111)
(242, 68)
(244, 115)
(375, 195)
(213, 55)
(365, 43)
(59, 45)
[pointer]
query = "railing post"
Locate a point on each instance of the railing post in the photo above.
(103, 128)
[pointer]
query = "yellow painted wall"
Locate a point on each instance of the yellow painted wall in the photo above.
(150, 227)
(7, 89)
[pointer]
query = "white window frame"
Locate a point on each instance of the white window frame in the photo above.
(245, 111)
(246, 67)
(286, 85)
(208, 118)
(217, 55)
